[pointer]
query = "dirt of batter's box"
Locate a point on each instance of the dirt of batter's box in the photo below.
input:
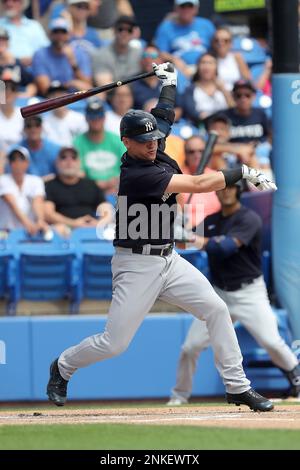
(285, 416)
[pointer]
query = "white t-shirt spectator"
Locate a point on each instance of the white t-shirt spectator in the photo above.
(33, 186)
(63, 130)
(209, 104)
(11, 129)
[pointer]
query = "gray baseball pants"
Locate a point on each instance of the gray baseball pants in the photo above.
(138, 281)
(251, 307)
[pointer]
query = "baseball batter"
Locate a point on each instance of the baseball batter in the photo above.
(145, 266)
(232, 239)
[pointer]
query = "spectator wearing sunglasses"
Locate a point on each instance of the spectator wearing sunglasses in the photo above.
(61, 61)
(43, 152)
(73, 201)
(148, 88)
(201, 204)
(146, 91)
(21, 195)
(120, 59)
(248, 123)
(231, 65)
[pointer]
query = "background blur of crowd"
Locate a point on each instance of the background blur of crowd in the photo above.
(49, 48)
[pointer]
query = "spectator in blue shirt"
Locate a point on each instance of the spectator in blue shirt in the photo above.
(43, 152)
(61, 61)
(146, 91)
(81, 34)
(185, 37)
(26, 36)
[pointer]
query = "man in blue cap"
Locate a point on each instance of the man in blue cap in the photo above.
(61, 61)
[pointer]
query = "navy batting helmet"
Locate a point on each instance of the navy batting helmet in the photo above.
(140, 126)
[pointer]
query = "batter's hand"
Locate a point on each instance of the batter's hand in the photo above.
(257, 178)
(166, 73)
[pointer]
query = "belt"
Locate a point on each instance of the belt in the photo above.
(237, 286)
(165, 250)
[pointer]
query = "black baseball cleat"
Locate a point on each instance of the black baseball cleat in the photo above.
(57, 386)
(251, 398)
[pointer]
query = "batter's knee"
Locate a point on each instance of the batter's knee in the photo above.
(218, 307)
(107, 346)
(117, 349)
(191, 350)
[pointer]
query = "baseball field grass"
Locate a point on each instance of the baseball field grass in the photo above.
(149, 426)
(129, 437)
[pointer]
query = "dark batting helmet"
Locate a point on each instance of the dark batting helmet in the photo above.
(140, 126)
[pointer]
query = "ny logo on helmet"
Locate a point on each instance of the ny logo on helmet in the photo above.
(149, 126)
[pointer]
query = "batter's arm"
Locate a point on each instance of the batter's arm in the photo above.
(196, 184)
(216, 181)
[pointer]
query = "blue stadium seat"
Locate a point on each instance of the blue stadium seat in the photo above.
(95, 255)
(251, 50)
(46, 270)
(184, 129)
(7, 277)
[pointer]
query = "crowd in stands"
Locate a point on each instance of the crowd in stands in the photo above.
(61, 168)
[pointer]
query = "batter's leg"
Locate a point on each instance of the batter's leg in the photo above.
(137, 282)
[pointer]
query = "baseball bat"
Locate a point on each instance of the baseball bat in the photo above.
(207, 153)
(53, 103)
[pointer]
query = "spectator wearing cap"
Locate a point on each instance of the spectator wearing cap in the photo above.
(73, 201)
(185, 37)
(11, 121)
(26, 35)
(43, 152)
(231, 65)
(9, 64)
(62, 124)
(227, 154)
(60, 61)
(119, 59)
(248, 123)
(21, 195)
(100, 151)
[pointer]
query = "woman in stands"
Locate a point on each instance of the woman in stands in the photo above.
(231, 65)
(207, 94)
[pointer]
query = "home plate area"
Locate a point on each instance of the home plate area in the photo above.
(285, 416)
